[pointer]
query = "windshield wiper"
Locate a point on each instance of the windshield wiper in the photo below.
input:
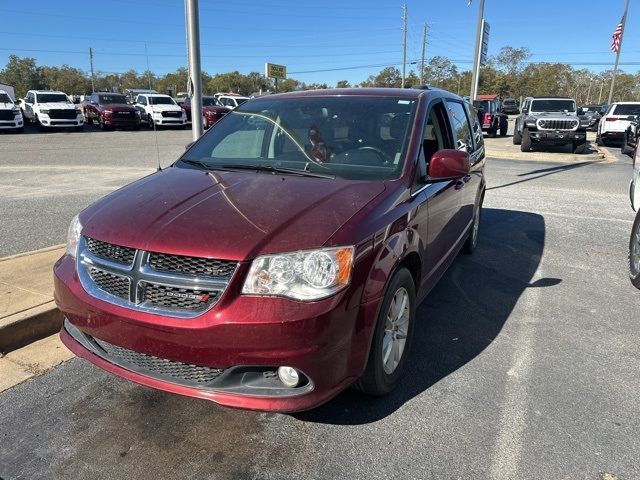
(201, 164)
(272, 169)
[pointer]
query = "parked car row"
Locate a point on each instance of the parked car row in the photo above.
(53, 109)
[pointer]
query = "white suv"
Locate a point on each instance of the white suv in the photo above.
(615, 122)
(49, 109)
(231, 101)
(160, 110)
(10, 115)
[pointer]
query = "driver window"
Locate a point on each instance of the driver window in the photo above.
(460, 126)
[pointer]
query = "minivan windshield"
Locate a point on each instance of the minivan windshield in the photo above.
(52, 98)
(161, 101)
(627, 109)
(354, 137)
(553, 105)
(112, 99)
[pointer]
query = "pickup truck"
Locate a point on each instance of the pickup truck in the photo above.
(211, 110)
(160, 110)
(110, 110)
(51, 109)
(10, 115)
(282, 257)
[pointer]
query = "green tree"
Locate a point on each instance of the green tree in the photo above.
(388, 77)
(22, 73)
(343, 84)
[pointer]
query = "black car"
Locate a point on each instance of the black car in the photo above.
(590, 115)
(510, 106)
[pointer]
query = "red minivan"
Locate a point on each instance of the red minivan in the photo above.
(281, 258)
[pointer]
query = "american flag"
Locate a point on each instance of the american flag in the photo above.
(617, 37)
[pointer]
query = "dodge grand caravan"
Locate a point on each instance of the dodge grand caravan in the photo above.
(281, 258)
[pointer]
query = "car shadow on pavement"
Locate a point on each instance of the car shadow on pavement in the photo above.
(544, 172)
(460, 317)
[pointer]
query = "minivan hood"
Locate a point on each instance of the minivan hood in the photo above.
(226, 215)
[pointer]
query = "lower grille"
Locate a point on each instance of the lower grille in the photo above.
(178, 298)
(172, 114)
(6, 115)
(67, 114)
(110, 283)
(140, 362)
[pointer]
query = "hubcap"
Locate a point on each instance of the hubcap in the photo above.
(635, 252)
(395, 330)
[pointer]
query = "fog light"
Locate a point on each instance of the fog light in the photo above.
(288, 376)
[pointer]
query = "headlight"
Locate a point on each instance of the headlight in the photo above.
(107, 111)
(305, 275)
(78, 111)
(73, 236)
(44, 110)
(15, 111)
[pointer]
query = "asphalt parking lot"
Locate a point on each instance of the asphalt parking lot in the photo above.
(524, 363)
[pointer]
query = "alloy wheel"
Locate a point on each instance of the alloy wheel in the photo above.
(395, 330)
(635, 252)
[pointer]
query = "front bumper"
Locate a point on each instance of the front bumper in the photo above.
(327, 340)
(115, 121)
(17, 122)
(609, 135)
(158, 119)
(46, 121)
(554, 137)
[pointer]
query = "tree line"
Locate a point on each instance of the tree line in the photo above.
(509, 74)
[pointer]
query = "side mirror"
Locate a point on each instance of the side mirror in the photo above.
(93, 102)
(188, 146)
(18, 101)
(449, 165)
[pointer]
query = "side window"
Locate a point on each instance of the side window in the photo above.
(476, 128)
(460, 126)
(142, 100)
(436, 136)
(94, 98)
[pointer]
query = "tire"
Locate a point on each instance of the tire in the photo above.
(379, 377)
(578, 148)
(19, 130)
(88, 120)
(503, 131)
(525, 144)
(136, 128)
(150, 122)
(517, 137)
(472, 240)
(39, 125)
(492, 132)
(79, 128)
(103, 127)
(634, 253)
(625, 149)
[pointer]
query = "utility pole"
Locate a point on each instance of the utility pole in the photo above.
(424, 47)
(195, 74)
(589, 90)
(615, 67)
(93, 89)
(600, 94)
(475, 73)
(404, 43)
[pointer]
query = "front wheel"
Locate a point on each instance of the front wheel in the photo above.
(503, 130)
(517, 137)
(391, 338)
(150, 122)
(525, 144)
(634, 253)
(472, 240)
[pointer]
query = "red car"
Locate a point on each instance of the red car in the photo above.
(111, 110)
(282, 257)
(211, 110)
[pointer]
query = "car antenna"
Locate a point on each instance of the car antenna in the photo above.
(153, 122)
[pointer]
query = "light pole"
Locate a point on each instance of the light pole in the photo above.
(477, 53)
(195, 76)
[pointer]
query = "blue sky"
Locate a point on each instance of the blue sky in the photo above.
(320, 41)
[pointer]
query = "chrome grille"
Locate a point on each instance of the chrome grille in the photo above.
(171, 285)
(110, 283)
(172, 114)
(112, 252)
(193, 265)
(179, 298)
(160, 366)
(66, 114)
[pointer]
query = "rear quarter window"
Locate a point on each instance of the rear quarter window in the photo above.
(627, 109)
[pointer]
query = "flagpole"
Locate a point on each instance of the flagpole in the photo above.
(615, 67)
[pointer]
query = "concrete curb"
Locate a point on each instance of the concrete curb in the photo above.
(26, 254)
(550, 157)
(606, 154)
(29, 325)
